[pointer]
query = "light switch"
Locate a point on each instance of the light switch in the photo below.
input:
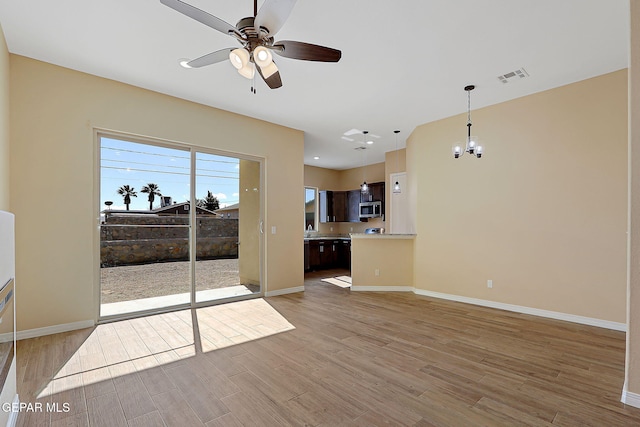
(273, 229)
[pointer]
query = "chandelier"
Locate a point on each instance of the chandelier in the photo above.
(472, 146)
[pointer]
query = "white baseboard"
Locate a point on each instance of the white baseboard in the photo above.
(13, 417)
(284, 291)
(55, 329)
(616, 326)
(631, 399)
(381, 288)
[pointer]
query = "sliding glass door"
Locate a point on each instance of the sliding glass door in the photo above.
(178, 227)
(227, 243)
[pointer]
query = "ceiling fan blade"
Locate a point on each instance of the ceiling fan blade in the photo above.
(273, 81)
(200, 16)
(210, 58)
(306, 51)
(273, 14)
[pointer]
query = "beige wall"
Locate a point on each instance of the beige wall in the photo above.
(394, 161)
(248, 222)
(4, 124)
(542, 214)
(632, 372)
(343, 180)
(53, 115)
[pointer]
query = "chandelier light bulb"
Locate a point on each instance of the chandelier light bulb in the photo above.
(457, 151)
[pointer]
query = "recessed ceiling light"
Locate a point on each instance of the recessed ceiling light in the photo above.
(369, 142)
(316, 158)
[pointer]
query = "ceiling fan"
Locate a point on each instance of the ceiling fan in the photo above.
(255, 34)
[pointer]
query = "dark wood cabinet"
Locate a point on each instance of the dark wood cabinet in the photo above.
(375, 193)
(307, 260)
(353, 206)
(344, 206)
(314, 254)
(333, 206)
(344, 254)
(329, 253)
(339, 206)
(326, 254)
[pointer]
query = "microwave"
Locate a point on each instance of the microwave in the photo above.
(370, 209)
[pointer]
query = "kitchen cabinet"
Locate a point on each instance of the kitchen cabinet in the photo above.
(375, 193)
(344, 206)
(344, 254)
(314, 254)
(333, 206)
(327, 253)
(353, 206)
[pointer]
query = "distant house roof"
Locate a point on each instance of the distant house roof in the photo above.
(181, 209)
(229, 208)
(175, 209)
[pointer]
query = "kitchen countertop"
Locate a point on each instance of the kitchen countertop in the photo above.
(382, 236)
(327, 238)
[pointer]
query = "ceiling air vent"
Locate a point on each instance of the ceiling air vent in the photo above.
(518, 74)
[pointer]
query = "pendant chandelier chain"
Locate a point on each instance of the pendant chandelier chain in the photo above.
(468, 107)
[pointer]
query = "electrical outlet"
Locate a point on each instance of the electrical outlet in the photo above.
(351, 229)
(377, 272)
(489, 284)
(273, 229)
(331, 229)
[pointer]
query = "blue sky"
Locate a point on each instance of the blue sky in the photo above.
(136, 165)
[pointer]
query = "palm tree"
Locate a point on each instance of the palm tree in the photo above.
(210, 202)
(128, 192)
(153, 190)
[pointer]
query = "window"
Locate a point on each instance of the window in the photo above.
(310, 209)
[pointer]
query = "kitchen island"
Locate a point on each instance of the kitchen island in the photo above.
(382, 262)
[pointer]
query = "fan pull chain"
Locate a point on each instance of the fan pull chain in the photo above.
(253, 84)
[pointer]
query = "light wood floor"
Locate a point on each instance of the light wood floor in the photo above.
(329, 357)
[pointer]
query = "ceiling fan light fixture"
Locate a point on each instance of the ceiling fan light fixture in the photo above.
(248, 71)
(269, 70)
(239, 58)
(262, 57)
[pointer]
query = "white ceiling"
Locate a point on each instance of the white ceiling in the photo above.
(404, 63)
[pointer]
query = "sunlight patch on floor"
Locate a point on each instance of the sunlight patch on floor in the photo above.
(121, 348)
(342, 281)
